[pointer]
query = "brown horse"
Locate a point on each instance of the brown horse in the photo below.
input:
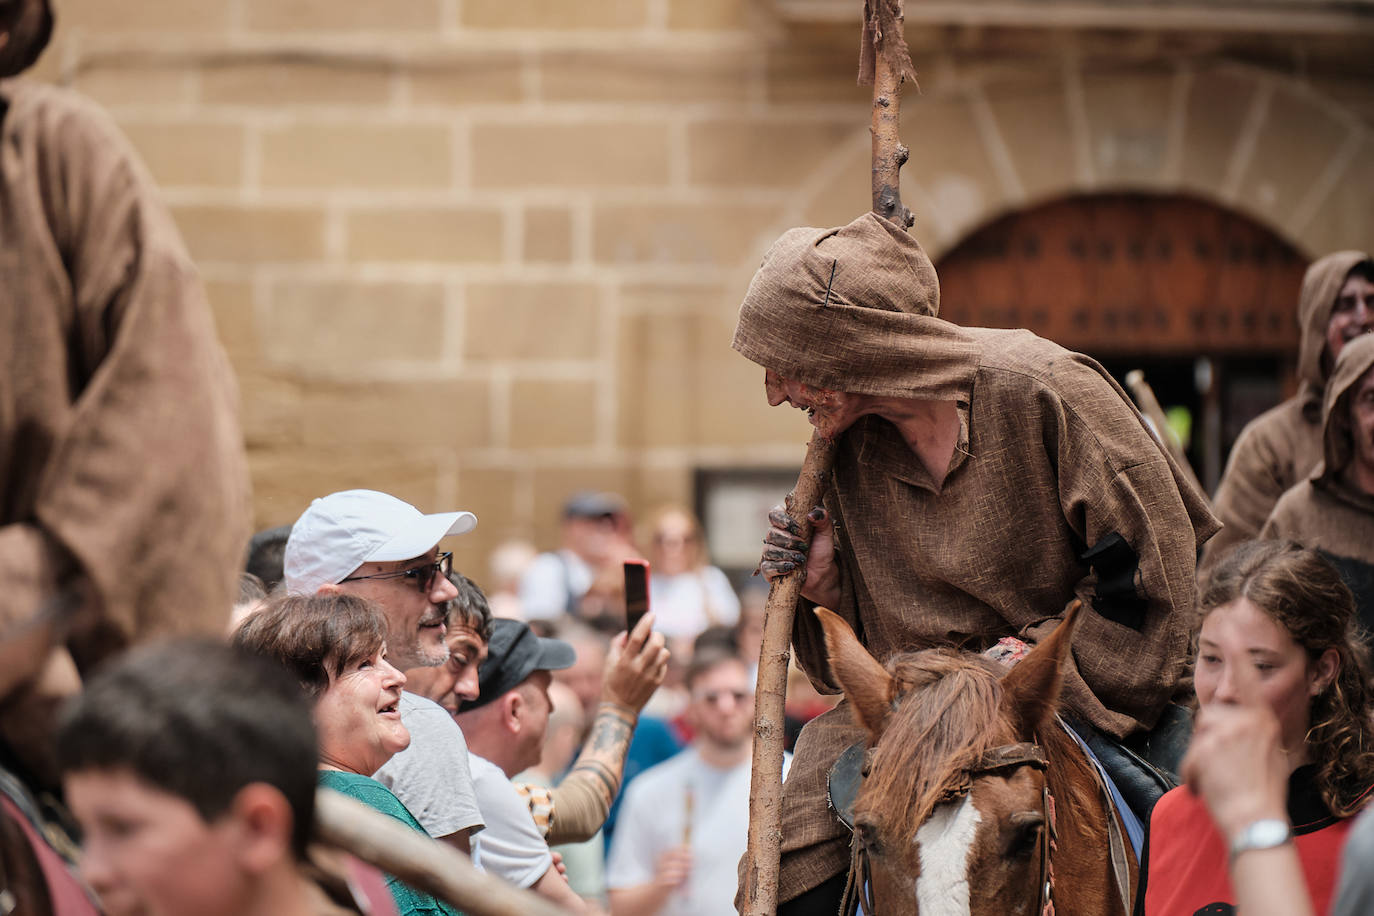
(975, 800)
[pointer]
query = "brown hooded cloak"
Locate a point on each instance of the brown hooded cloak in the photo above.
(1326, 511)
(1056, 490)
(1282, 445)
(120, 448)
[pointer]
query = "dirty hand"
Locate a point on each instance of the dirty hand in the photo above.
(635, 666)
(784, 551)
(1236, 763)
(673, 867)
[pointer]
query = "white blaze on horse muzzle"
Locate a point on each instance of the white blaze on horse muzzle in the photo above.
(944, 842)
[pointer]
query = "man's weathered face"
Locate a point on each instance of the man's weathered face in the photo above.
(456, 679)
(1362, 422)
(831, 412)
(721, 709)
(414, 619)
(1352, 315)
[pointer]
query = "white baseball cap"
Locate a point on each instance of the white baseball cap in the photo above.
(344, 530)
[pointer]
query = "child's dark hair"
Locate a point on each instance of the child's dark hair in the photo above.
(199, 720)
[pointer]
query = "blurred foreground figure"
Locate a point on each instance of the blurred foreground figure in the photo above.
(125, 486)
(1333, 511)
(192, 769)
(1282, 445)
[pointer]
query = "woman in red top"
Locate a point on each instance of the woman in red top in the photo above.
(1282, 610)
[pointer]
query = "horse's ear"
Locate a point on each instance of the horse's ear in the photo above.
(866, 683)
(1030, 691)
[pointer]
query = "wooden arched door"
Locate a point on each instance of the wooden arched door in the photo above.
(1202, 298)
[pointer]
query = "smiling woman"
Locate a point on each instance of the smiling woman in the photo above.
(334, 644)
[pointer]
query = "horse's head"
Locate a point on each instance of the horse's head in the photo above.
(953, 808)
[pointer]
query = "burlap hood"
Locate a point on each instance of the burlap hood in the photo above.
(1357, 357)
(1320, 285)
(854, 309)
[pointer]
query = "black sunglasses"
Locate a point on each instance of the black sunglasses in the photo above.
(421, 576)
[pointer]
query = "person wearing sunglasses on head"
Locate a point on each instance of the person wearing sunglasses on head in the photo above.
(378, 547)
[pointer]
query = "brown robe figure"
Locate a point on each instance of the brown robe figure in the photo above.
(1056, 490)
(1282, 445)
(125, 483)
(1333, 510)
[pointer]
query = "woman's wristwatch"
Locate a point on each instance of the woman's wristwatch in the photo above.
(1267, 833)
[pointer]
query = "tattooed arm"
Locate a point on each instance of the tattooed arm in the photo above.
(634, 669)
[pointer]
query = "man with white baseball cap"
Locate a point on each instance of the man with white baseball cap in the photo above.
(382, 548)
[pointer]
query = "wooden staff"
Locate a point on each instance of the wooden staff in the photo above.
(770, 695)
(426, 864)
(1149, 406)
(884, 62)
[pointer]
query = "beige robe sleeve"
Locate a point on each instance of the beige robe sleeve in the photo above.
(142, 495)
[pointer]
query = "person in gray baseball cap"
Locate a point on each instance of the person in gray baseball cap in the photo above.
(381, 548)
(505, 728)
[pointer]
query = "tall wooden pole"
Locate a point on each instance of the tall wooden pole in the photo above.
(764, 851)
(885, 62)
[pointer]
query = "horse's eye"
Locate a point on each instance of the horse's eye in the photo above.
(1023, 833)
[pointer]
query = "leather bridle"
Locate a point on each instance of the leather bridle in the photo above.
(1007, 757)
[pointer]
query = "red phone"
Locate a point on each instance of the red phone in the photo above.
(636, 592)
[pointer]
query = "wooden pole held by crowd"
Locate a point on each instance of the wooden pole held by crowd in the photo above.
(884, 62)
(419, 861)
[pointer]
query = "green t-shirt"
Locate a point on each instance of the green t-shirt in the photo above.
(375, 795)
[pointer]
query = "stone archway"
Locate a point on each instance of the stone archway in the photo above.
(993, 138)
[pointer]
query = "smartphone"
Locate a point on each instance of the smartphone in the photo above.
(636, 592)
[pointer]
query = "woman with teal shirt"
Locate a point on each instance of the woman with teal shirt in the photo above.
(335, 645)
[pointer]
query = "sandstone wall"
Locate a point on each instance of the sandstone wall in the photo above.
(482, 252)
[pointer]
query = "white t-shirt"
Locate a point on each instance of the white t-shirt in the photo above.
(689, 602)
(431, 776)
(653, 819)
(510, 847)
(548, 582)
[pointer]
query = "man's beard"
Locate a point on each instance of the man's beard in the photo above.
(27, 26)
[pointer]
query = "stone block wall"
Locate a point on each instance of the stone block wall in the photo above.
(481, 253)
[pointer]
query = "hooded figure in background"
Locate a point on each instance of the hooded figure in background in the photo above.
(1281, 446)
(983, 480)
(126, 497)
(1333, 510)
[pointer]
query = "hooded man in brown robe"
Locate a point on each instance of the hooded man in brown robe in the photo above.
(983, 479)
(1333, 510)
(125, 485)
(1281, 446)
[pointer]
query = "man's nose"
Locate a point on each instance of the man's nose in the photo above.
(466, 687)
(442, 590)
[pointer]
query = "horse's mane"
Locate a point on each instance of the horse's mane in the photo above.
(932, 740)
(930, 743)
